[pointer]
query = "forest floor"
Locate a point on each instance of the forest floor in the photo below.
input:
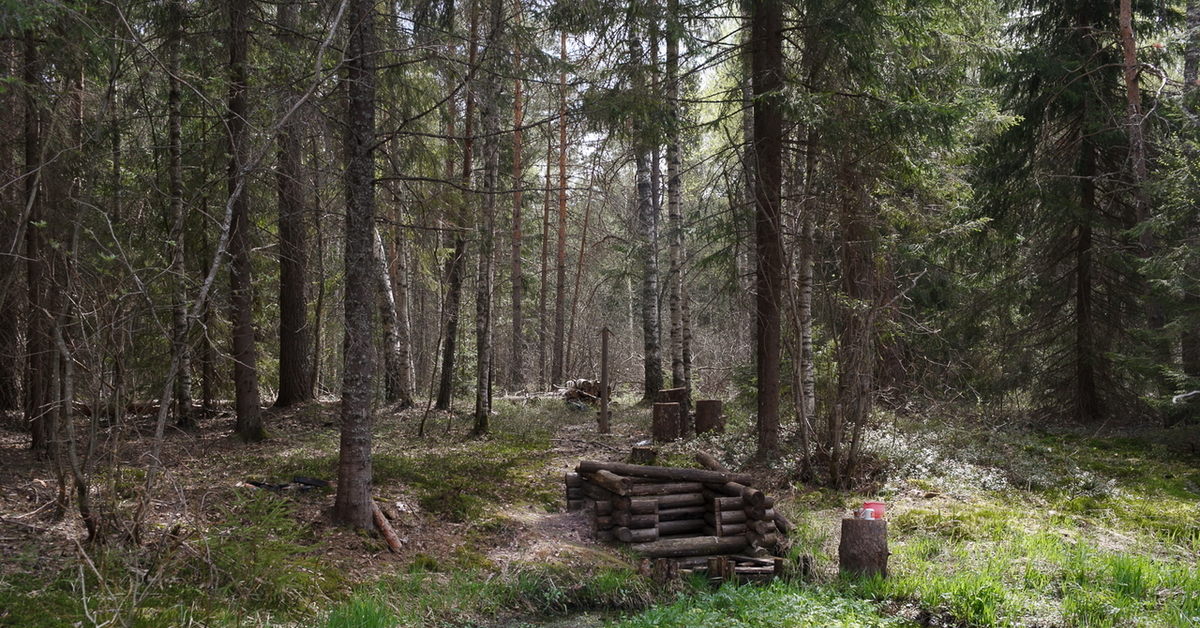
(992, 523)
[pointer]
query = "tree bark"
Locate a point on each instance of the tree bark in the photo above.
(1086, 395)
(543, 281)
(767, 76)
(674, 203)
(454, 266)
(516, 373)
(556, 365)
(396, 389)
(178, 217)
(863, 549)
(10, 164)
(38, 365)
(295, 337)
(245, 354)
(487, 223)
(1191, 51)
(353, 503)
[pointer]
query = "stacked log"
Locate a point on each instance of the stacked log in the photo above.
(667, 512)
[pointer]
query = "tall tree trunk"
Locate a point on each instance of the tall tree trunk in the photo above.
(647, 240)
(674, 202)
(543, 281)
(178, 217)
(295, 338)
(353, 504)
(245, 354)
(1155, 314)
(767, 77)
(807, 410)
(1086, 396)
(454, 266)
(490, 116)
(1189, 337)
(38, 364)
(396, 389)
(556, 368)
(1191, 52)
(856, 354)
(10, 163)
(516, 377)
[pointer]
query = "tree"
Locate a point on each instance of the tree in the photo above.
(454, 265)
(516, 377)
(767, 73)
(560, 290)
(295, 336)
(490, 115)
(353, 504)
(178, 218)
(244, 354)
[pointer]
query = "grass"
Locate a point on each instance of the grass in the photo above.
(988, 528)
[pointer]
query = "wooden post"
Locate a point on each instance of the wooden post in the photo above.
(666, 422)
(603, 421)
(863, 548)
(709, 417)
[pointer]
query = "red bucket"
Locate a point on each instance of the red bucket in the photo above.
(876, 507)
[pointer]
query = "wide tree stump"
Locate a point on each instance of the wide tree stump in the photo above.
(677, 396)
(665, 426)
(709, 417)
(863, 550)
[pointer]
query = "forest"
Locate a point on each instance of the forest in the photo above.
(311, 310)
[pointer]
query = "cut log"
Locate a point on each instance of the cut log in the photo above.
(763, 514)
(674, 474)
(709, 417)
(609, 481)
(679, 500)
(629, 535)
(598, 493)
(692, 546)
(602, 522)
(863, 549)
(785, 526)
(665, 488)
(664, 570)
(725, 516)
(636, 505)
(763, 540)
(761, 527)
(726, 529)
(575, 493)
(572, 480)
(685, 512)
(625, 518)
(389, 535)
(665, 422)
(681, 526)
(575, 504)
(725, 503)
(603, 507)
(709, 461)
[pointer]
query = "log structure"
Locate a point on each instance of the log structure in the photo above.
(678, 514)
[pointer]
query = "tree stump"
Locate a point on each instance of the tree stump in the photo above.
(709, 417)
(643, 455)
(863, 549)
(678, 396)
(665, 426)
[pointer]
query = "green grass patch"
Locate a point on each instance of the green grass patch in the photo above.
(778, 604)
